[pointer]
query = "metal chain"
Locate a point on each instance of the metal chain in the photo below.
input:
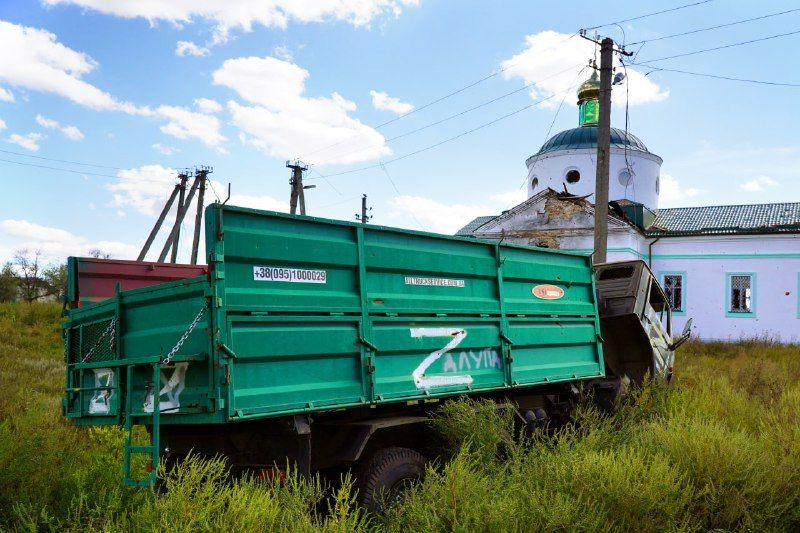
(168, 359)
(109, 329)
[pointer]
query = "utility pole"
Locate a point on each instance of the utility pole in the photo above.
(184, 177)
(603, 153)
(296, 182)
(200, 174)
(364, 217)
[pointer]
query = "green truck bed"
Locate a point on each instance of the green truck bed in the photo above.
(300, 314)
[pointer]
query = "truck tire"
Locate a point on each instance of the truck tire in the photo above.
(385, 475)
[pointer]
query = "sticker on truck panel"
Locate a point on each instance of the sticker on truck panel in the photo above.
(290, 275)
(100, 402)
(169, 396)
(434, 282)
(547, 292)
(456, 335)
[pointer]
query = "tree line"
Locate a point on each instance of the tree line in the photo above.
(28, 278)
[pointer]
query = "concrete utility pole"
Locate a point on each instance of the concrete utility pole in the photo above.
(603, 153)
(184, 177)
(364, 217)
(202, 175)
(296, 181)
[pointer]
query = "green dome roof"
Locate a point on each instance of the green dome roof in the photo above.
(586, 137)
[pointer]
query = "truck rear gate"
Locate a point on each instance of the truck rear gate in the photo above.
(300, 315)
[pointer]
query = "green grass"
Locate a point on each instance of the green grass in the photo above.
(721, 450)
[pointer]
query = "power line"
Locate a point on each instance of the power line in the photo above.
(61, 160)
(56, 168)
(71, 171)
(718, 26)
(465, 111)
(445, 141)
(731, 45)
(718, 77)
(439, 99)
(650, 14)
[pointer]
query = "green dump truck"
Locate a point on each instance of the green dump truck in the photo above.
(325, 344)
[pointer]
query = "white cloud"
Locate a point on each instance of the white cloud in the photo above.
(256, 202)
(40, 63)
(55, 243)
(188, 48)
(207, 105)
(283, 122)
(46, 122)
(2, 124)
(383, 102)
(29, 141)
(185, 124)
(6, 95)
(434, 216)
(166, 150)
(548, 52)
(758, 184)
(283, 53)
(244, 14)
(672, 191)
(511, 198)
(70, 132)
(144, 189)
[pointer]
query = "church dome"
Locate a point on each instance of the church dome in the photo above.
(586, 137)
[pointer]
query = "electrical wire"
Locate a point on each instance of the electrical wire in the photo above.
(60, 160)
(716, 76)
(465, 111)
(731, 45)
(650, 14)
(71, 171)
(489, 76)
(718, 26)
(445, 141)
(56, 168)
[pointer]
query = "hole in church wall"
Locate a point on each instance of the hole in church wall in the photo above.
(573, 176)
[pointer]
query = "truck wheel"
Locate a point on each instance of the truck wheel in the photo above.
(386, 474)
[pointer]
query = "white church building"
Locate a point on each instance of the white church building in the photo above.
(734, 269)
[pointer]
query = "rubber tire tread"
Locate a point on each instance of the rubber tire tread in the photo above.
(384, 468)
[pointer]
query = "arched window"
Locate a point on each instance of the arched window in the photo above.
(534, 183)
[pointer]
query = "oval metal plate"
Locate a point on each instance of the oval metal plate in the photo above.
(547, 292)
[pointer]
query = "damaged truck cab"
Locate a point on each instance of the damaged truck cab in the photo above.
(636, 323)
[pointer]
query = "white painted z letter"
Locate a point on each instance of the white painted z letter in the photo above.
(456, 335)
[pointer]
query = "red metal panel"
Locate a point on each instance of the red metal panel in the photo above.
(94, 280)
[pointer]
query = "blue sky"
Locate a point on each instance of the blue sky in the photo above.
(141, 89)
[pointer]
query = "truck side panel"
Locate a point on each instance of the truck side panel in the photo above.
(322, 314)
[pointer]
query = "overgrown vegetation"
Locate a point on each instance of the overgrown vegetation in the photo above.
(721, 450)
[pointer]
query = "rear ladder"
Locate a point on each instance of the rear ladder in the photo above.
(130, 421)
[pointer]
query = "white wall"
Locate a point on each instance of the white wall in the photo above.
(775, 260)
(550, 170)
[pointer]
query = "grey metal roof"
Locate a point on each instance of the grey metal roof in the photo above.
(586, 137)
(476, 223)
(727, 219)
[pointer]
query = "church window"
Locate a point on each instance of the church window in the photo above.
(534, 183)
(573, 176)
(625, 177)
(673, 284)
(741, 296)
(658, 184)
